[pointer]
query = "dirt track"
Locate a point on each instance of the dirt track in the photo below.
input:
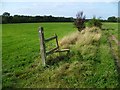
(115, 39)
(116, 57)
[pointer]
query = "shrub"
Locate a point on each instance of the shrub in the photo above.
(94, 22)
(80, 21)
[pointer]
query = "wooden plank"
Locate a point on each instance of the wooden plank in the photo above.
(63, 50)
(42, 45)
(51, 38)
(57, 41)
(52, 51)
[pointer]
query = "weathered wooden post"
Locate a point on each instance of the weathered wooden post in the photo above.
(42, 45)
(57, 41)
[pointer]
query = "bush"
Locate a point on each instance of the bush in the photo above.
(80, 21)
(94, 22)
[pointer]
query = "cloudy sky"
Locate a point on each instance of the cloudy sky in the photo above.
(66, 8)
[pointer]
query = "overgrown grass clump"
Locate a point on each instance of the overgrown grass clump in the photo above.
(85, 37)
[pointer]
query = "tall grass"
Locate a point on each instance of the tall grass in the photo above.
(86, 36)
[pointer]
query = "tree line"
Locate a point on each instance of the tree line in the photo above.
(7, 18)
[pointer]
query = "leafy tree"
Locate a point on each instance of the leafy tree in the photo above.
(5, 17)
(6, 14)
(112, 19)
(80, 21)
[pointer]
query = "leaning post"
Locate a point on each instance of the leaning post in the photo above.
(42, 45)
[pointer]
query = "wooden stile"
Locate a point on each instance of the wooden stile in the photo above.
(43, 51)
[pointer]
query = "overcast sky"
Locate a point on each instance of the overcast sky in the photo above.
(66, 8)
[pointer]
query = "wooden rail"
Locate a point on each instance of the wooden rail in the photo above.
(49, 39)
(51, 51)
(43, 51)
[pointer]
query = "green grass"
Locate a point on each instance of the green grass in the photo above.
(112, 28)
(107, 76)
(21, 45)
(86, 66)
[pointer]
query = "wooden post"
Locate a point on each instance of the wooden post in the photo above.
(42, 45)
(57, 44)
(57, 41)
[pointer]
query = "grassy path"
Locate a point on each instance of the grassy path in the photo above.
(106, 69)
(115, 39)
(113, 42)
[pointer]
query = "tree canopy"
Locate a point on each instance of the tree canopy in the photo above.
(112, 19)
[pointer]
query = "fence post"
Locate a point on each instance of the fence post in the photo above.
(42, 45)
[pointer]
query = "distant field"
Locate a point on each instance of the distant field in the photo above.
(21, 55)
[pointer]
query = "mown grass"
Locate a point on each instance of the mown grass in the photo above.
(88, 65)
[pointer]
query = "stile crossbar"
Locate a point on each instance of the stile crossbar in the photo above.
(43, 51)
(49, 39)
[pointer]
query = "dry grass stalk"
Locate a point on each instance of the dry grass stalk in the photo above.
(87, 36)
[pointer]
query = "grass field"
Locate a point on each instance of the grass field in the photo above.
(88, 65)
